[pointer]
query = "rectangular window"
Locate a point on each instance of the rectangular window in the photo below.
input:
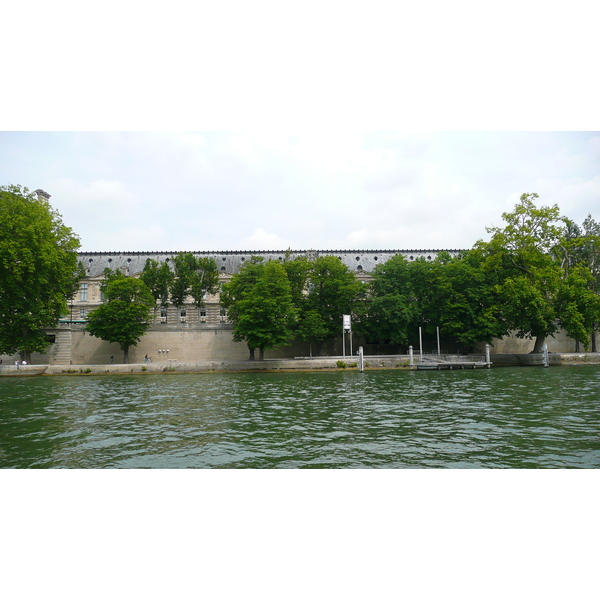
(82, 313)
(183, 313)
(203, 311)
(83, 292)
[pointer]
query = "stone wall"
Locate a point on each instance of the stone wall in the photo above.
(511, 344)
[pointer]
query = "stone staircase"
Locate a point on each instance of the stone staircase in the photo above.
(62, 347)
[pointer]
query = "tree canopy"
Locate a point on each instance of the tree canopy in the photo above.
(533, 259)
(260, 305)
(39, 270)
(191, 277)
(332, 291)
(126, 314)
(159, 279)
(537, 274)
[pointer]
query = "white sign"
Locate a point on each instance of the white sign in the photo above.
(347, 326)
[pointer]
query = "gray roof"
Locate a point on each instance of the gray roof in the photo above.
(230, 261)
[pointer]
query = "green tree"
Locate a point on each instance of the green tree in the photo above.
(462, 301)
(126, 314)
(528, 277)
(543, 282)
(578, 304)
(159, 279)
(260, 305)
(580, 248)
(453, 294)
(204, 280)
(39, 270)
(391, 309)
(193, 277)
(333, 291)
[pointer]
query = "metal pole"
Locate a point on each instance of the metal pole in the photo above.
(344, 341)
(438, 338)
(420, 345)
(351, 342)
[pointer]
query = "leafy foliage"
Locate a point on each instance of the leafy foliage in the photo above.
(159, 279)
(39, 270)
(259, 302)
(193, 277)
(537, 274)
(392, 309)
(333, 291)
(126, 314)
(543, 282)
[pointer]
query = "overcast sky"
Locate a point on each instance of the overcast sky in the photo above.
(243, 191)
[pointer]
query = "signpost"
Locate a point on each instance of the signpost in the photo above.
(346, 328)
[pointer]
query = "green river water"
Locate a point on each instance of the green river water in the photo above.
(514, 417)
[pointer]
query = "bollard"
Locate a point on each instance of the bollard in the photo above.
(411, 361)
(488, 362)
(361, 362)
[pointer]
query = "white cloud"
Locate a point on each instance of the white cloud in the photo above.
(261, 240)
(96, 198)
(205, 191)
(132, 238)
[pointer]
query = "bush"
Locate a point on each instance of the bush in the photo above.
(341, 364)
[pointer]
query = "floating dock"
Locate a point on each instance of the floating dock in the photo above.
(436, 366)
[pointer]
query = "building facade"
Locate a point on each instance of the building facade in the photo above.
(89, 296)
(192, 334)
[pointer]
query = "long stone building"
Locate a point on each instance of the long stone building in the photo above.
(361, 262)
(191, 334)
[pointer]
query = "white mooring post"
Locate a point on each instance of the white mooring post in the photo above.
(545, 355)
(411, 360)
(488, 362)
(420, 345)
(438, 341)
(361, 361)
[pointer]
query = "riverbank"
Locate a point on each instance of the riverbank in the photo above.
(291, 364)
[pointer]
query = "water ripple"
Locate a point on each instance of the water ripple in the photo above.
(502, 418)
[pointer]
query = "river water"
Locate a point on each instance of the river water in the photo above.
(514, 417)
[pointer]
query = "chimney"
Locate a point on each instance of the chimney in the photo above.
(42, 195)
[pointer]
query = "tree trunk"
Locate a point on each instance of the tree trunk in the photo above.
(251, 350)
(594, 339)
(577, 346)
(539, 344)
(126, 355)
(261, 354)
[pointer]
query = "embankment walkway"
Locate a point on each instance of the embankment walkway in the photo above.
(292, 364)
